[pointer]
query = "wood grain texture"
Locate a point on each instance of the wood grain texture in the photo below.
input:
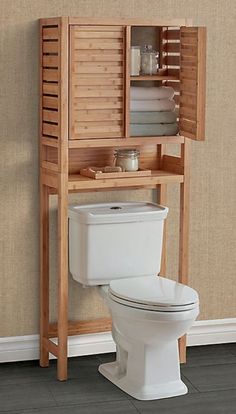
(97, 82)
(78, 182)
(62, 206)
(43, 225)
(192, 82)
(129, 21)
(83, 327)
(136, 141)
(126, 101)
(184, 230)
(44, 273)
(162, 199)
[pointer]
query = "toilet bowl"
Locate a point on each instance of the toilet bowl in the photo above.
(145, 328)
(118, 248)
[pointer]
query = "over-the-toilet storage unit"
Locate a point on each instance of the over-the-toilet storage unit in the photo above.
(84, 114)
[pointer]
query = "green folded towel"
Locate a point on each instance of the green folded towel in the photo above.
(155, 117)
(139, 130)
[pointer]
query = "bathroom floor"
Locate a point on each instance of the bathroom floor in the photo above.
(210, 375)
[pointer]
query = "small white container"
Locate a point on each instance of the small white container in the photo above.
(135, 61)
(127, 159)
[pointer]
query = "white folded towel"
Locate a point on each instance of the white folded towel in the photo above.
(153, 92)
(152, 105)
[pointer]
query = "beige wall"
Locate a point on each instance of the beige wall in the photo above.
(213, 192)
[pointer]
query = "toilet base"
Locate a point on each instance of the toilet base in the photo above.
(141, 392)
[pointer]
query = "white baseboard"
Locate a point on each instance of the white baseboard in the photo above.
(214, 331)
(23, 348)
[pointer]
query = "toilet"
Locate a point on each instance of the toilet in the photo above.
(117, 247)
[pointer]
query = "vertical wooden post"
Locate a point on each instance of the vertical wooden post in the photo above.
(162, 200)
(62, 206)
(62, 277)
(44, 273)
(44, 233)
(184, 229)
(126, 54)
(160, 44)
(160, 152)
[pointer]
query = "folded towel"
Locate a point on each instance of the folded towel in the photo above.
(152, 105)
(139, 130)
(165, 117)
(152, 92)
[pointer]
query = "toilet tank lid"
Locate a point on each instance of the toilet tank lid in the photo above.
(117, 212)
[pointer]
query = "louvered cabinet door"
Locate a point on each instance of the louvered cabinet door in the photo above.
(192, 82)
(97, 81)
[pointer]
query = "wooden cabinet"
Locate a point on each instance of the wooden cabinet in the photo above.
(85, 114)
(97, 59)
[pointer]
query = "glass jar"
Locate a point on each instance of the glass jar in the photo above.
(149, 61)
(135, 61)
(127, 159)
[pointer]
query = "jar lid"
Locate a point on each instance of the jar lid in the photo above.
(148, 49)
(128, 153)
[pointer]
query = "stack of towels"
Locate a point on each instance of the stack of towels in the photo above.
(152, 111)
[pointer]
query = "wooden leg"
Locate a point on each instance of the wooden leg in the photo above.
(62, 277)
(44, 274)
(184, 230)
(163, 201)
(182, 350)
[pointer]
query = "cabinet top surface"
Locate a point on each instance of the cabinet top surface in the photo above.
(123, 21)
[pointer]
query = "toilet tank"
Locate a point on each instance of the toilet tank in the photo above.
(115, 240)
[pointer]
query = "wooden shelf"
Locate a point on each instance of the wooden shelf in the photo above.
(153, 78)
(78, 182)
(124, 142)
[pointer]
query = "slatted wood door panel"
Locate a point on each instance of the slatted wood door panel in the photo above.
(192, 82)
(97, 79)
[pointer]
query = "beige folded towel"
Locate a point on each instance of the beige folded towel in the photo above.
(152, 105)
(153, 92)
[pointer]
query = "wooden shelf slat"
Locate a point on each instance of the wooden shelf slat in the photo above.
(124, 142)
(153, 77)
(78, 182)
(135, 21)
(82, 327)
(50, 142)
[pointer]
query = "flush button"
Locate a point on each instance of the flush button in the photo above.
(115, 208)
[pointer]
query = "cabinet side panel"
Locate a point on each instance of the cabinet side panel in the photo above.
(97, 81)
(50, 35)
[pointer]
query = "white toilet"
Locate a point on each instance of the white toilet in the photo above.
(117, 246)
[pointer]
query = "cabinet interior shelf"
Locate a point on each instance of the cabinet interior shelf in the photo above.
(78, 182)
(123, 142)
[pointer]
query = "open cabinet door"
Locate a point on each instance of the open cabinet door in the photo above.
(192, 82)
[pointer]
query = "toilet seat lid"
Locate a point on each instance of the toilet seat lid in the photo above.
(153, 292)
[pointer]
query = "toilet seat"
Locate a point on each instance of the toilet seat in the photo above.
(153, 293)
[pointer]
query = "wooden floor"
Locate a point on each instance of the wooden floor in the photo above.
(210, 375)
